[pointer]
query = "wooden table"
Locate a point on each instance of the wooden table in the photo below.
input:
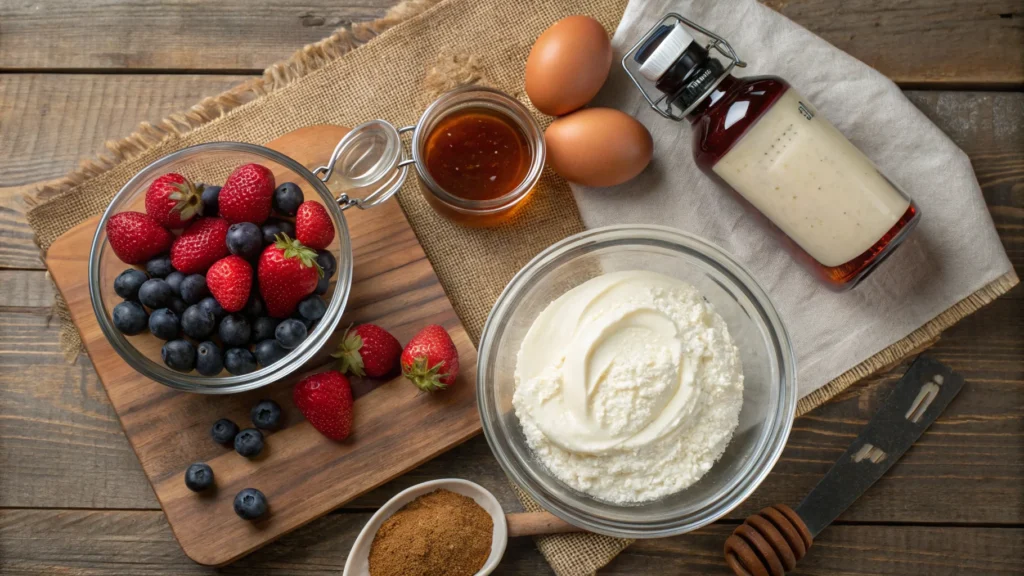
(73, 499)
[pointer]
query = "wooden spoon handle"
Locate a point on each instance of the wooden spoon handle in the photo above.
(768, 543)
(537, 523)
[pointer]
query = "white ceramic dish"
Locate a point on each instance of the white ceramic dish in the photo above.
(358, 563)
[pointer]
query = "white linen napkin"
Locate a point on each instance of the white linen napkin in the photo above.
(953, 253)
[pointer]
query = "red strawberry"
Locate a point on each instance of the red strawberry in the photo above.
(288, 272)
(136, 237)
(368, 350)
(247, 194)
(325, 400)
(313, 225)
(200, 245)
(229, 280)
(430, 360)
(174, 201)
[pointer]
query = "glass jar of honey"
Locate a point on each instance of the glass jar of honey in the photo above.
(477, 152)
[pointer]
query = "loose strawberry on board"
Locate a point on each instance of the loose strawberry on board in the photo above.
(229, 281)
(200, 245)
(325, 400)
(247, 194)
(288, 272)
(136, 237)
(368, 350)
(173, 201)
(313, 225)
(430, 360)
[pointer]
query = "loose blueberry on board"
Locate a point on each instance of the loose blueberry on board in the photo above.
(210, 204)
(254, 308)
(269, 352)
(266, 415)
(159, 267)
(274, 227)
(211, 305)
(193, 289)
(249, 442)
(178, 306)
(327, 261)
(179, 355)
(239, 361)
(250, 504)
(312, 308)
(322, 286)
(155, 293)
(209, 359)
(245, 239)
(234, 330)
(197, 323)
(290, 333)
(224, 431)
(174, 281)
(199, 477)
(127, 283)
(164, 324)
(130, 318)
(263, 329)
(287, 198)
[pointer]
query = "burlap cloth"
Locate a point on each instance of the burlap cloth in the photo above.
(418, 50)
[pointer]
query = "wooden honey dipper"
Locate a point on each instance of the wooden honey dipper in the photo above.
(772, 541)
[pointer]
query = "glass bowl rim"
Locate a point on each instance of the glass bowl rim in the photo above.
(233, 383)
(771, 443)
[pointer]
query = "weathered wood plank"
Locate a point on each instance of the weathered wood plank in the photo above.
(140, 543)
(25, 289)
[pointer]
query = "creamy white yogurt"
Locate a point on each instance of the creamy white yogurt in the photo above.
(628, 387)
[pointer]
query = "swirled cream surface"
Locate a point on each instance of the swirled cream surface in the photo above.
(628, 386)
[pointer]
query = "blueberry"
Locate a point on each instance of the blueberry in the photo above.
(274, 227)
(250, 504)
(130, 318)
(199, 477)
(164, 324)
(155, 293)
(159, 267)
(290, 333)
(174, 281)
(211, 197)
(127, 283)
(178, 306)
(266, 415)
(327, 261)
(249, 442)
(179, 355)
(268, 352)
(254, 307)
(197, 323)
(245, 239)
(305, 321)
(234, 330)
(239, 361)
(312, 307)
(193, 289)
(287, 198)
(209, 359)
(263, 329)
(224, 431)
(211, 305)
(322, 286)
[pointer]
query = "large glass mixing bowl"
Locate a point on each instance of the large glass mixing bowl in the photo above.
(769, 394)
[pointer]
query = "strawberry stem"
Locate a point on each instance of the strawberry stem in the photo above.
(294, 249)
(426, 378)
(349, 358)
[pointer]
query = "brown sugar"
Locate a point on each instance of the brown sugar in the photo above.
(438, 534)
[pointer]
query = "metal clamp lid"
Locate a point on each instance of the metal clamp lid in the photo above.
(663, 105)
(370, 154)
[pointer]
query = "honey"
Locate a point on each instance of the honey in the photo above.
(476, 154)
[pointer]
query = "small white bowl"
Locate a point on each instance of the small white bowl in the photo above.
(358, 563)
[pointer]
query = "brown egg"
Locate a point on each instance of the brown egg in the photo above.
(567, 65)
(598, 147)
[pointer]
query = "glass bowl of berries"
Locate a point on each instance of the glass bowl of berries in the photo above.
(223, 267)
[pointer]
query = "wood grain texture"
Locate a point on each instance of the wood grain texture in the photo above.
(303, 474)
(109, 543)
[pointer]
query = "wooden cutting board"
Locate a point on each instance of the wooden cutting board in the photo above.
(303, 474)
